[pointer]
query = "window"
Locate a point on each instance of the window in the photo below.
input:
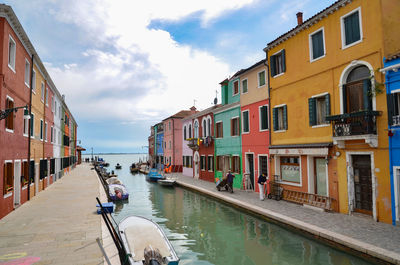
(220, 163)
(204, 129)
(317, 44)
(170, 145)
(169, 125)
(190, 131)
(351, 28)
(261, 78)
(203, 163)
(34, 81)
(32, 125)
(41, 130)
(319, 108)
(235, 87)
(235, 164)
(10, 118)
(47, 96)
(26, 126)
(357, 90)
(235, 126)
(245, 120)
(184, 133)
(278, 64)
(43, 169)
(209, 127)
(244, 86)
(45, 131)
(165, 145)
(25, 173)
(27, 72)
(219, 133)
(290, 168)
(52, 104)
(263, 164)
(51, 134)
(280, 118)
(263, 118)
(210, 163)
(394, 109)
(52, 166)
(8, 184)
(11, 53)
(55, 107)
(196, 129)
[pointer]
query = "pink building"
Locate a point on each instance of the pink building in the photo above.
(187, 153)
(173, 139)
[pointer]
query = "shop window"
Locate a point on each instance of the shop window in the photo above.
(290, 169)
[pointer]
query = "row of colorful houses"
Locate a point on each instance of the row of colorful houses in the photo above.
(320, 115)
(37, 130)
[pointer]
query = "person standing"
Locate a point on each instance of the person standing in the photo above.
(229, 178)
(261, 181)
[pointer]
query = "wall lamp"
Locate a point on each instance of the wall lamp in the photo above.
(4, 113)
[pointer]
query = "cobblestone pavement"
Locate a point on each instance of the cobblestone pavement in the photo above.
(58, 226)
(353, 228)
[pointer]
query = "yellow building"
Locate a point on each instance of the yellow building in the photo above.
(39, 126)
(329, 107)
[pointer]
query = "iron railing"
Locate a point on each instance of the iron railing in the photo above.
(355, 123)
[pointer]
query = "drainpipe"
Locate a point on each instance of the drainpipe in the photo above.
(269, 108)
(173, 140)
(29, 131)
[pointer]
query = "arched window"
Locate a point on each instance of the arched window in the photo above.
(357, 90)
(196, 129)
(184, 133)
(209, 127)
(190, 131)
(204, 128)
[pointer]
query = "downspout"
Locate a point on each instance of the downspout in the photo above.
(173, 141)
(29, 131)
(269, 109)
(44, 128)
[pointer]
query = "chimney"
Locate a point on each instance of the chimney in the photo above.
(193, 109)
(299, 18)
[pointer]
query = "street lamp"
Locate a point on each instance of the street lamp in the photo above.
(4, 113)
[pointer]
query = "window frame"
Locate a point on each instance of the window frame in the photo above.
(248, 121)
(273, 56)
(10, 116)
(222, 130)
(12, 67)
(34, 81)
(326, 124)
(265, 78)
(342, 28)
(203, 163)
(27, 73)
(41, 130)
(247, 85)
(210, 163)
(310, 44)
(45, 131)
(278, 170)
(42, 91)
(287, 120)
(233, 157)
(259, 118)
(7, 194)
(238, 129)
(233, 87)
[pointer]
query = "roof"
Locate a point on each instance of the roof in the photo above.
(203, 112)
(308, 23)
(242, 71)
(180, 115)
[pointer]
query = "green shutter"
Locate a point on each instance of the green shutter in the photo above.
(328, 104)
(344, 94)
(312, 114)
(285, 120)
(367, 94)
(273, 65)
(283, 61)
(245, 121)
(317, 44)
(264, 118)
(390, 107)
(275, 118)
(352, 28)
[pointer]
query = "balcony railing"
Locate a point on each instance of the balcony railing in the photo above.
(193, 143)
(396, 120)
(356, 123)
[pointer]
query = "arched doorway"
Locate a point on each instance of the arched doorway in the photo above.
(196, 165)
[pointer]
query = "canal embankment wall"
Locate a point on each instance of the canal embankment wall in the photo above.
(361, 236)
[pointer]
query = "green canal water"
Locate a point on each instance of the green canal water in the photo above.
(205, 231)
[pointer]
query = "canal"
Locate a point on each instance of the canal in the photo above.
(205, 231)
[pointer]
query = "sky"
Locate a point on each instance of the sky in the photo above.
(124, 65)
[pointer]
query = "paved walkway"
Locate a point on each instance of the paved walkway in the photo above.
(359, 232)
(58, 226)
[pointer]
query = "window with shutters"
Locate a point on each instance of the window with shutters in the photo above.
(261, 78)
(42, 91)
(235, 164)
(317, 45)
(245, 121)
(45, 131)
(235, 87)
(34, 81)
(196, 129)
(394, 109)
(209, 126)
(220, 163)
(351, 28)
(356, 91)
(278, 63)
(203, 163)
(204, 128)
(27, 72)
(210, 163)
(184, 133)
(25, 173)
(264, 118)
(319, 108)
(244, 86)
(12, 48)
(235, 126)
(280, 118)
(8, 183)
(32, 125)
(10, 118)
(219, 131)
(41, 130)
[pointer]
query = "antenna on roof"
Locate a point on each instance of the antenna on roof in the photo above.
(216, 97)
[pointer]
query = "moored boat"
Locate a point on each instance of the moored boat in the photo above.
(117, 192)
(146, 242)
(133, 168)
(118, 166)
(154, 175)
(167, 182)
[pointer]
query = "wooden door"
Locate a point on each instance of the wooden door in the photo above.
(320, 178)
(362, 183)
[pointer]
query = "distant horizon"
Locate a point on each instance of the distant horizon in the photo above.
(119, 153)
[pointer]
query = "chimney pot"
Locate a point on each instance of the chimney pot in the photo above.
(299, 18)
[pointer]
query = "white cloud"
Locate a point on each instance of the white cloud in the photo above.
(134, 73)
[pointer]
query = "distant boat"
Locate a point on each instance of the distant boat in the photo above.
(146, 242)
(117, 192)
(133, 168)
(118, 166)
(154, 175)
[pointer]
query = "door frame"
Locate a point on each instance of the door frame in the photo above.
(196, 162)
(17, 182)
(350, 181)
(247, 165)
(37, 178)
(396, 183)
(312, 173)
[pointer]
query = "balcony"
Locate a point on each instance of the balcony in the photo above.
(396, 120)
(193, 143)
(355, 126)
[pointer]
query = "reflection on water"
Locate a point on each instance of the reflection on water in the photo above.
(204, 231)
